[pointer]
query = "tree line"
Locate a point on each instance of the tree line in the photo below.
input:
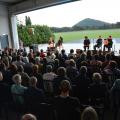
(33, 34)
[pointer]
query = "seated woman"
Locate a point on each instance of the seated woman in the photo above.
(98, 43)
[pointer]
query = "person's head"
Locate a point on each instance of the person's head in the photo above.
(20, 68)
(86, 37)
(28, 117)
(63, 51)
(35, 68)
(65, 86)
(72, 63)
(108, 56)
(13, 68)
(97, 78)
(71, 51)
(33, 81)
(83, 70)
(61, 71)
(49, 68)
(17, 79)
(89, 113)
(113, 64)
(1, 76)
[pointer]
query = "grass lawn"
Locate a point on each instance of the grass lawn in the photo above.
(92, 34)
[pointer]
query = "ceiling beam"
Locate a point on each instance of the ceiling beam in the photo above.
(30, 5)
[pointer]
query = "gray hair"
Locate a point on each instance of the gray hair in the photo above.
(97, 77)
(17, 79)
(29, 117)
(89, 113)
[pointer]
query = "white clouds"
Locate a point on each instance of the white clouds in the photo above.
(71, 13)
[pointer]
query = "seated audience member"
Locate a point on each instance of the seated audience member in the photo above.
(49, 75)
(98, 89)
(82, 82)
(71, 55)
(86, 43)
(71, 70)
(24, 76)
(4, 90)
(107, 60)
(63, 54)
(19, 61)
(89, 113)
(42, 54)
(101, 56)
(17, 88)
(98, 43)
(25, 58)
(34, 95)
(38, 75)
(66, 107)
(48, 79)
(61, 75)
(28, 117)
(80, 59)
(112, 69)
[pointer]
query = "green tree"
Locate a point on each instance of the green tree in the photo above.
(28, 21)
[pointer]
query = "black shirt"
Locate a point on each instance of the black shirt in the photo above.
(67, 108)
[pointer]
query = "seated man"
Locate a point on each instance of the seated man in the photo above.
(86, 43)
(98, 43)
(66, 107)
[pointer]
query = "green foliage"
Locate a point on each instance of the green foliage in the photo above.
(41, 34)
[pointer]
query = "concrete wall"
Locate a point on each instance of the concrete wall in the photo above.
(4, 22)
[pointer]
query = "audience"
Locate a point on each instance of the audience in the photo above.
(85, 72)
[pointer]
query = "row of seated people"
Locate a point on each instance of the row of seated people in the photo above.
(65, 106)
(70, 70)
(33, 95)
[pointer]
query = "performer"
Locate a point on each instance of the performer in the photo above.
(86, 43)
(98, 43)
(51, 43)
(60, 42)
(108, 43)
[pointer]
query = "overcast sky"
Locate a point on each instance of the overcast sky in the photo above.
(71, 13)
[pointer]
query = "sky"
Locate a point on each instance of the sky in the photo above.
(66, 15)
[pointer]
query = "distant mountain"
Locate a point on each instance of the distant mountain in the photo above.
(88, 22)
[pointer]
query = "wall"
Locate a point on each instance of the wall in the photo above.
(4, 22)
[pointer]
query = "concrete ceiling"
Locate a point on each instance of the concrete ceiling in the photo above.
(20, 6)
(11, 2)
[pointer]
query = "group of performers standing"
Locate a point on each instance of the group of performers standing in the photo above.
(107, 43)
(59, 44)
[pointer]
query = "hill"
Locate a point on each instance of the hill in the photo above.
(88, 22)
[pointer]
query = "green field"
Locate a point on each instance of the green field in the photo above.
(92, 34)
